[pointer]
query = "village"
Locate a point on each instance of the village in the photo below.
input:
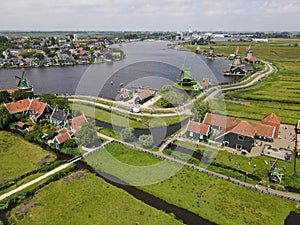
(57, 51)
(252, 154)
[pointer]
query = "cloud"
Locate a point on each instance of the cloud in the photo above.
(148, 14)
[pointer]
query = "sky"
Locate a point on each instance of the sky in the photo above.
(150, 15)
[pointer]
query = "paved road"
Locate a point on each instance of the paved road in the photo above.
(64, 166)
(182, 110)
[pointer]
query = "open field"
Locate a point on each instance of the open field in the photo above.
(211, 198)
(18, 157)
(279, 92)
(97, 203)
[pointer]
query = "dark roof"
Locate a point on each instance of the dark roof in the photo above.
(60, 115)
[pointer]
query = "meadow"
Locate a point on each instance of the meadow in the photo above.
(83, 198)
(211, 198)
(18, 157)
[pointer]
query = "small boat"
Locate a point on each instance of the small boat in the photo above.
(121, 84)
(111, 83)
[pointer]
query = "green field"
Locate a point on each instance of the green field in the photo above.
(83, 198)
(18, 157)
(134, 121)
(278, 93)
(211, 198)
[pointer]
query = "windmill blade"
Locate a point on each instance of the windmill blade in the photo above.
(19, 83)
(18, 77)
(23, 73)
(237, 50)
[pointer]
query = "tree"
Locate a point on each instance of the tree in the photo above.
(54, 101)
(87, 136)
(19, 95)
(200, 109)
(169, 97)
(146, 140)
(5, 97)
(5, 117)
(71, 143)
(35, 135)
(127, 134)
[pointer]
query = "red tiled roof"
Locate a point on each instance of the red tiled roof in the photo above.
(20, 124)
(271, 118)
(244, 128)
(77, 122)
(38, 107)
(264, 130)
(220, 120)
(63, 137)
(19, 106)
(204, 82)
(199, 128)
(252, 59)
(146, 93)
(236, 126)
(29, 128)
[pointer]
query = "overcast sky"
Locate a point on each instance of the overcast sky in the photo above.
(154, 15)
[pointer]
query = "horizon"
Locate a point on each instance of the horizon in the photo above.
(154, 15)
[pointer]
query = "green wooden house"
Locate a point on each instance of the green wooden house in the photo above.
(197, 131)
(59, 118)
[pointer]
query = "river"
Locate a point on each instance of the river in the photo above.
(147, 64)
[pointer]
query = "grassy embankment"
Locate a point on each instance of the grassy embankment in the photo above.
(119, 119)
(18, 157)
(211, 198)
(278, 93)
(90, 200)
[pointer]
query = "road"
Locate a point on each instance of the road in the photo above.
(210, 93)
(22, 187)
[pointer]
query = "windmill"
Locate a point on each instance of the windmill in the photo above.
(23, 83)
(237, 58)
(249, 52)
(274, 175)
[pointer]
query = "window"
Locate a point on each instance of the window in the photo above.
(240, 138)
(191, 134)
(201, 136)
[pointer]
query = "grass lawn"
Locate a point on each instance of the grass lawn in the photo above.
(134, 121)
(18, 157)
(211, 198)
(90, 200)
(261, 169)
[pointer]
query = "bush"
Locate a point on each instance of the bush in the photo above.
(127, 134)
(146, 141)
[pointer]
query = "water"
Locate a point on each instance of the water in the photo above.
(148, 63)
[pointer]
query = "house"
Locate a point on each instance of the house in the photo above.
(60, 118)
(237, 70)
(21, 126)
(197, 131)
(272, 120)
(241, 134)
(204, 83)
(33, 108)
(252, 60)
(298, 127)
(60, 139)
(124, 94)
(76, 123)
(144, 96)
(39, 110)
